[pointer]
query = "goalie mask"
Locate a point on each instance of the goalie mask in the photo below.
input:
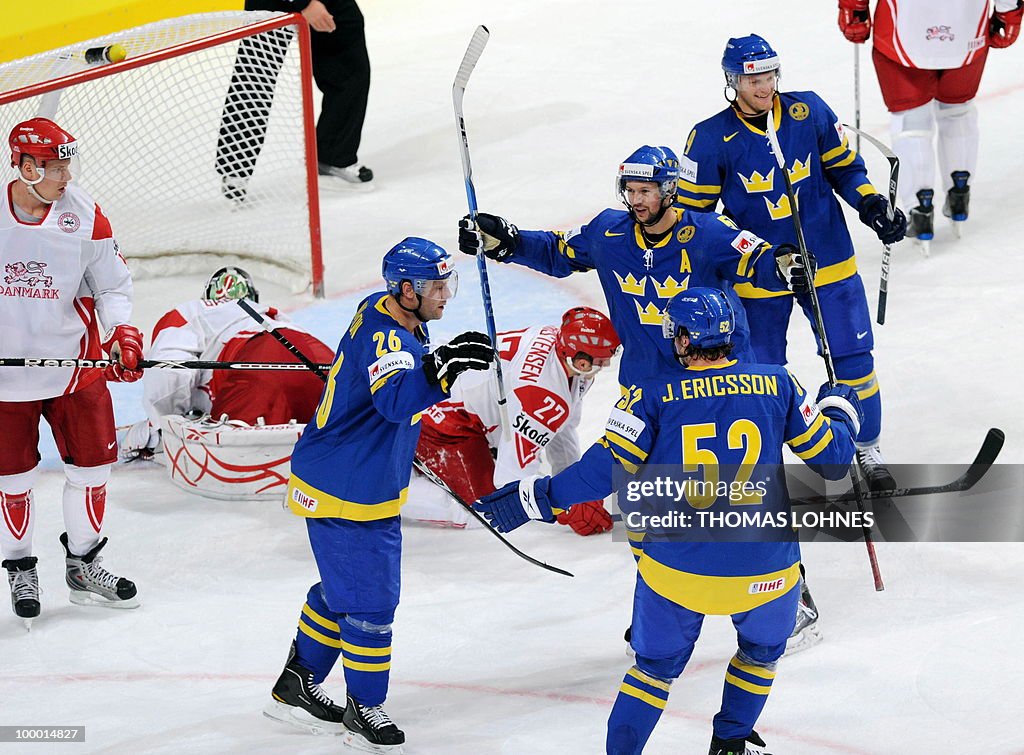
(230, 284)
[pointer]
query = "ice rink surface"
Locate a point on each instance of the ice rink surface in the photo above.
(492, 655)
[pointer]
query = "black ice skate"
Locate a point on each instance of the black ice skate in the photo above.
(297, 701)
(92, 585)
(922, 220)
(873, 469)
(371, 729)
(24, 582)
(958, 200)
(752, 745)
(806, 633)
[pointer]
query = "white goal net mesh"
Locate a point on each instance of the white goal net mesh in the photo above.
(199, 157)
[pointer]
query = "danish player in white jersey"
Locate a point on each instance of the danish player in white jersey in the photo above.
(214, 328)
(64, 282)
(929, 56)
(548, 371)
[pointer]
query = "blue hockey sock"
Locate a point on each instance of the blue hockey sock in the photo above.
(858, 371)
(637, 708)
(366, 655)
(747, 684)
(318, 639)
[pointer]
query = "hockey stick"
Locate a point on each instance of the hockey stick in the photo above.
(432, 477)
(418, 463)
(469, 61)
(156, 364)
(894, 177)
(987, 454)
(856, 91)
(826, 352)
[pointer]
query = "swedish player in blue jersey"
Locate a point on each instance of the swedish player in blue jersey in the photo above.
(714, 417)
(644, 255)
(727, 158)
(350, 475)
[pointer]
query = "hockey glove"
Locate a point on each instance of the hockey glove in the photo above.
(1004, 26)
(874, 213)
(123, 343)
(496, 236)
(515, 504)
(792, 268)
(587, 518)
(467, 351)
(840, 404)
(855, 20)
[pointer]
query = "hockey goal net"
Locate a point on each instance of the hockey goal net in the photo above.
(199, 145)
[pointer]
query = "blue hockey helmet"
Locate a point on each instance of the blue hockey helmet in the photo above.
(657, 164)
(419, 261)
(745, 56)
(705, 315)
(230, 284)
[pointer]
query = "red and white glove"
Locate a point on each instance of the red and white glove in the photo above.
(123, 344)
(1004, 26)
(855, 20)
(587, 518)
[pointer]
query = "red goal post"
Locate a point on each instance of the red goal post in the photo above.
(200, 145)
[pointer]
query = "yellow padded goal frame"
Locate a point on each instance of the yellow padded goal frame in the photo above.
(65, 22)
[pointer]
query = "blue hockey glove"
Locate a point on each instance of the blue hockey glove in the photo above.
(840, 404)
(874, 213)
(517, 503)
(496, 236)
(467, 351)
(792, 267)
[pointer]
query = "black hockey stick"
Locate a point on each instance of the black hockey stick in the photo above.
(418, 463)
(156, 364)
(826, 352)
(427, 472)
(987, 454)
(894, 177)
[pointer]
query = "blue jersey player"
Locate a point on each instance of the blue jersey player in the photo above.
(711, 415)
(350, 475)
(727, 159)
(644, 255)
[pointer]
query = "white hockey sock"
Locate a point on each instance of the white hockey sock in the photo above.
(913, 133)
(16, 509)
(85, 497)
(958, 139)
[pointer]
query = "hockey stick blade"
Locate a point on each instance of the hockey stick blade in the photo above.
(433, 478)
(984, 460)
(473, 53)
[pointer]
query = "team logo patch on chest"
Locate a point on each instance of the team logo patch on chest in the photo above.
(69, 222)
(29, 273)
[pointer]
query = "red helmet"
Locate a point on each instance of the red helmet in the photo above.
(587, 331)
(42, 139)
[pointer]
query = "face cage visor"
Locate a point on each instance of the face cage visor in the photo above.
(437, 290)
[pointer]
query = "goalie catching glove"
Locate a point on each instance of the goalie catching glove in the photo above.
(467, 351)
(123, 344)
(494, 235)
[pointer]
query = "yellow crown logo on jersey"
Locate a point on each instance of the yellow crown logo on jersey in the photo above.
(631, 285)
(758, 183)
(782, 209)
(649, 315)
(670, 288)
(800, 170)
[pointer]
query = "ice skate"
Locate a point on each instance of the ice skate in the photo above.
(298, 701)
(92, 585)
(751, 745)
(628, 637)
(921, 227)
(874, 470)
(371, 729)
(806, 633)
(24, 582)
(958, 200)
(355, 177)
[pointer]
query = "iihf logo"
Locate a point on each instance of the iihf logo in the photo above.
(69, 222)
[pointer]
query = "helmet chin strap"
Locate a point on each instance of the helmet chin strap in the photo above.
(413, 310)
(31, 186)
(654, 220)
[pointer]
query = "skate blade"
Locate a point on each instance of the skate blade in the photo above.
(359, 743)
(337, 185)
(86, 598)
(958, 228)
(296, 717)
(923, 246)
(28, 624)
(807, 638)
